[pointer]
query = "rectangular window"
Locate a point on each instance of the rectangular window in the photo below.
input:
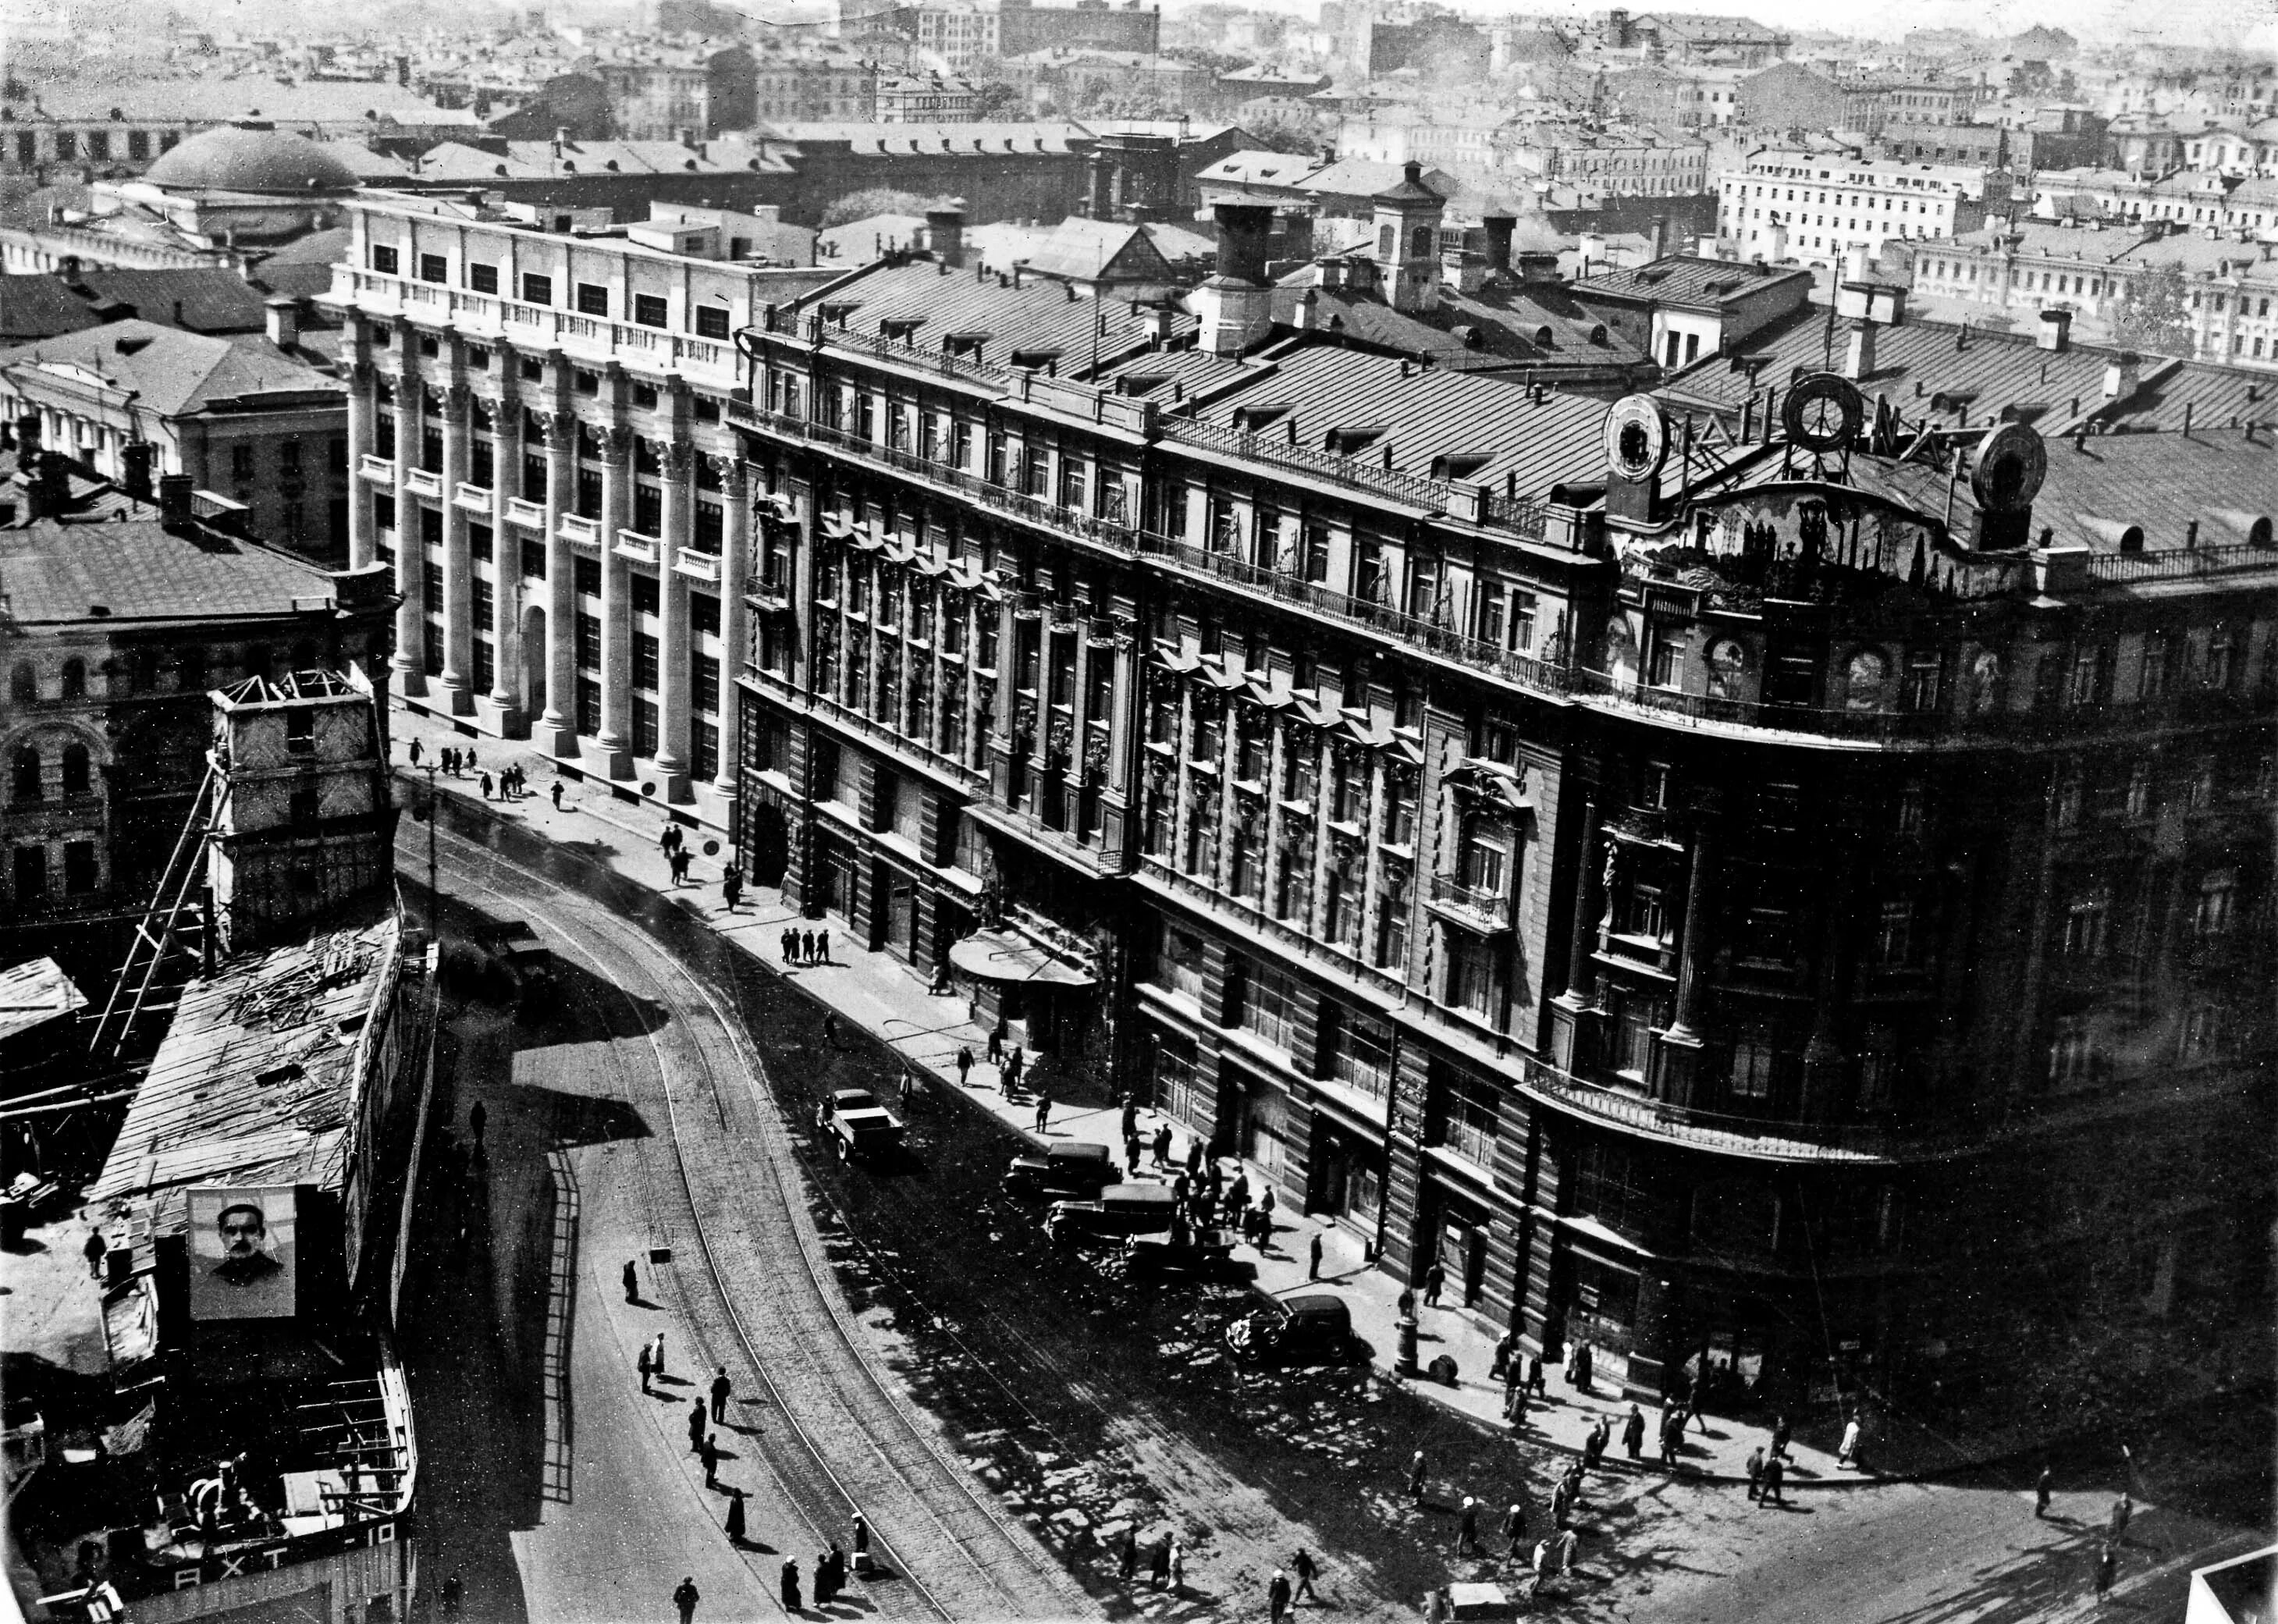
(646, 735)
(588, 643)
(434, 268)
(649, 310)
(78, 868)
(711, 321)
(384, 260)
(1268, 1003)
(533, 560)
(644, 594)
(240, 461)
(1462, 1111)
(537, 289)
(483, 278)
(592, 299)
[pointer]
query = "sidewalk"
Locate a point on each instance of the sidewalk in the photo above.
(886, 998)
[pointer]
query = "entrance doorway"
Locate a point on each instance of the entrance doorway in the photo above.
(1463, 1252)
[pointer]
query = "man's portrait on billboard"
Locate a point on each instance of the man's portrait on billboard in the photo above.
(241, 1254)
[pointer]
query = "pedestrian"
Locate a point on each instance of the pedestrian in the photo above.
(1436, 1280)
(1158, 1567)
(696, 1428)
(1043, 1110)
(470, 758)
(909, 1085)
(731, 889)
(477, 1117)
(1301, 1565)
(1775, 1477)
(1016, 1066)
(1536, 1384)
(1514, 1529)
(862, 1544)
(1780, 1434)
(1129, 1562)
(1633, 1432)
(709, 1452)
(1162, 1144)
(1407, 1301)
(2122, 1509)
(1584, 1366)
(1277, 1596)
(997, 1044)
(821, 940)
(1672, 1433)
(93, 1252)
(2042, 1486)
(1195, 1154)
(1416, 1478)
(557, 794)
(1177, 1568)
(1266, 1212)
(1562, 1502)
(415, 752)
(1514, 1404)
(669, 841)
(1467, 1529)
(1129, 1106)
(790, 1584)
(1500, 1363)
(2108, 1569)
(633, 1295)
(676, 864)
(736, 1517)
(642, 1361)
(657, 1358)
(1755, 1471)
(1313, 1257)
(721, 1387)
(487, 786)
(686, 1598)
(1847, 1453)
(1131, 1155)
(829, 1579)
(1594, 1446)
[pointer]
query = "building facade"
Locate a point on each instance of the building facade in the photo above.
(1814, 207)
(1473, 835)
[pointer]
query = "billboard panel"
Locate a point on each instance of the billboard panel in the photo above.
(243, 1262)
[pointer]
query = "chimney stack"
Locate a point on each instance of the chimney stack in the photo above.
(1537, 266)
(48, 492)
(2123, 374)
(174, 499)
(1859, 352)
(284, 321)
(945, 232)
(2056, 331)
(135, 458)
(27, 433)
(1236, 304)
(1499, 227)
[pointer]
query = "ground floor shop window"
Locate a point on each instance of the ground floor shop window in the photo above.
(1178, 1093)
(1605, 1305)
(1349, 1180)
(1264, 1126)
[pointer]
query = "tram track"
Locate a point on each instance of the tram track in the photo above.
(847, 1440)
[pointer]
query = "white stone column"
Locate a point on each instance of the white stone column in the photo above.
(672, 673)
(504, 705)
(363, 408)
(450, 398)
(735, 621)
(614, 741)
(557, 727)
(411, 657)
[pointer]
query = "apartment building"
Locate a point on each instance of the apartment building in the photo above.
(1609, 159)
(1813, 206)
(960, 35)
(1497, 831)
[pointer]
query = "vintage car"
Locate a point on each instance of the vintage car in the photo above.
(516, 948)
(860, 1129)
(1117, 1210)
(1313, 1330)
(1071, 1170)
(1183, 1251)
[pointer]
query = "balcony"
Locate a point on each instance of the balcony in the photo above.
(532, 514)
(472, 498)
(376, 469)
(695, 565)
(1474, 909)
(420, 482)
(581, 532)
(636, 546)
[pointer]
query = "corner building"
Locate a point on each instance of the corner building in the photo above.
(1720, 900)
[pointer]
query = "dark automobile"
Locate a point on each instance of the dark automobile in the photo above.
(516, 946)
(1072, 1171)
(1119, 1210)
(1297, 1330)
(1183, 1251)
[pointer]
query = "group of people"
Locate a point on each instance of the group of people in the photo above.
(1166, 1564)
(806, 947)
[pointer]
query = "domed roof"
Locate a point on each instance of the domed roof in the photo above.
(250, 157)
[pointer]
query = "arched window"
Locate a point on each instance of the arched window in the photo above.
(24, 779)
(78, 776)
(74, 679)
(24, 684)
(1387, 241)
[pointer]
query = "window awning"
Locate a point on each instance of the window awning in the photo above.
(1000, 956)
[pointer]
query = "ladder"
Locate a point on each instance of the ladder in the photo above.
(157, 936)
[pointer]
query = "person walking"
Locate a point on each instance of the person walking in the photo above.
(964, 1064)
(1158, 1566)
(696, 1428)
(1127, 1561)
(415, 752)
(1672, 1433)
(787, 1586)
(1416, 1478)
(1780, 1434)
(1313, 1257)
(93, 1251)
(997, 1045)
(1755, 1471)
(657, 1358)
(721, 1387)
(735, 1524)
(1016, 1065)
(1593, 1445)
(2107, 1569)
(686, 1598)
(1265, 1215)
(1301, 1565)
(1178, 1568)
(731, 888)
(2042, 1487)
(1536, 1384)
(643, 1361)
(708, 1450)
(1514, 1531)
(1847, 1453)
(557, 794)
(1436, 1280)
(1161, 1145)
(470, 762)
(1277, 1597)
(1043, 1111)
(1514, 1404)
(1633, 1432)
(1562, 1502)
(1775, 1479)
(862, 1544)
(1467, 1529)
(487, 786)
(633, 1295)
(2122, 1510)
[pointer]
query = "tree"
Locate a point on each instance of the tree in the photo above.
(1287, 132)
(998, 102)
(874, 200)
(2155, 313)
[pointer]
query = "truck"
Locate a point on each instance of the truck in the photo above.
(860, 1129)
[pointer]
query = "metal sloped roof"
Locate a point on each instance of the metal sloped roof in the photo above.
(34, 992)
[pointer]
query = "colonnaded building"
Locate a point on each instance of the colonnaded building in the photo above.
(1732, 896)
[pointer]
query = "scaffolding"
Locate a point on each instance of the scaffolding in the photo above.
(159, 935)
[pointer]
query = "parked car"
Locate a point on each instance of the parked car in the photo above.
(1073, 1170)
(1315, 1329)
(861, 1128)
(1465, 1602)
(1183, 1251)
(1119, 1210)
(526, 961)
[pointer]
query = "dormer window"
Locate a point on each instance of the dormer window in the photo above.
(1028, 360)
(836, 311)
(900, 328)
(1458, 465)
(1346, 440)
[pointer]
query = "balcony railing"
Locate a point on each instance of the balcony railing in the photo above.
(474, 498)
(1486, 907)
(522, 510)
(697, 565)
(637, 548)
(379, 470)
(2172, 562)
(580, 531)
(1468, 502)
(490, 316)
(420, 482)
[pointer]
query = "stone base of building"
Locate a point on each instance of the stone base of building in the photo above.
(600, 761)
(501, 717)
(455, 697)
(557, 739)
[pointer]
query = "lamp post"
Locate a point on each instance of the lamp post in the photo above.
(425, 813)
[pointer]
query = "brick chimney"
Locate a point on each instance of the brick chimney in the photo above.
(1859, 351)
(284, 321)
(2056, 331)
(48, 492)
(134, 459)
(174, 499)
(945, 232)
(1236, 304)
(2123, 375)
(1499, 228)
